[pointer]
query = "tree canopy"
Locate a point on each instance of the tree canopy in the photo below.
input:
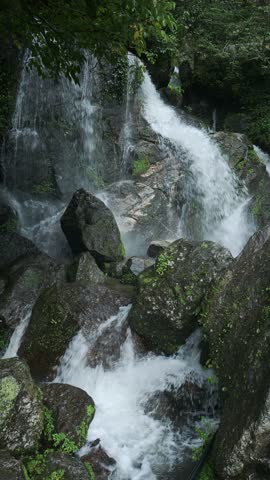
(58, 31)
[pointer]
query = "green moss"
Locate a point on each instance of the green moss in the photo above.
(9, 389)
(32, 278)
(90, 471)
(140, 166)
(207, 472)
(48, 425)
(121, 250)
(163, 264)
(43, 188)
(56, 475)
(83, 428)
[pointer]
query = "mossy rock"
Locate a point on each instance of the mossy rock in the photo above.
(170, 294)
(72, 410)
(21, 409)
(237, 325)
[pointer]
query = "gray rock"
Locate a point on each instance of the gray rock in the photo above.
(21, 246)
(72, 467)
(157, 247)
(235, 145)
(21, 420)
(90, 226)
(170, 295)
(101, 463)
(85, 269)
(24, 281)
(59, 313)
(72, 410)
(237, 322)
(10, 467)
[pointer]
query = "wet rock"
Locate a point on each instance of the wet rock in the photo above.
(85, 269)
(251, 171)
(90, 226)
(21, 246)
(101, 463)
(10, 467)
(8, 218)
(170, 295)
(21, 420)
(25, 279)
(5, 334)
(59, 313)
(237, 322)
(72, 410)
(71, 467)
(157, 247)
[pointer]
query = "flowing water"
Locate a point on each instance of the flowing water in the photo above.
(145, 447)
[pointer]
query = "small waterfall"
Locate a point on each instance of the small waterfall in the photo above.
(16, 337)
(263, 156)
(145, 448)
(211, 189)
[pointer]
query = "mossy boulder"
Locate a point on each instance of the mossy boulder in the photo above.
(59, 312)
(85, 269)
(10, 467)
(25, 279)
(170, 294)
(237, 325)
(21, 409)
(59, 466)
(90, 226)
(71, 409)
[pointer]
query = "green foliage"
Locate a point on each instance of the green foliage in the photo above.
(140, 166)
(163, 264)
(58, 31)
(207, 472)
(56, 475)
(43, 188)
(204, 433)
(83, 429)
(48, 424)
(63, 443)
(121, 250)
(90, 471)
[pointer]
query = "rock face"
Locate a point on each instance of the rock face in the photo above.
(21, 418)
(101, 463)
(10, 468)
(58, 314)
(157, 247)
(68, 466)
(85, 269)
(89, 225)
(238, 325)
(24, 281)
(72, 410)
(21, 246)
(251, 171)
(170, 295)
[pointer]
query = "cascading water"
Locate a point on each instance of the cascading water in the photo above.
(264, 157)
(211, 190)
(144, 447)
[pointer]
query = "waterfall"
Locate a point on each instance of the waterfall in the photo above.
(211, 189)
(264, 157)
(144, 447)
(17, 336)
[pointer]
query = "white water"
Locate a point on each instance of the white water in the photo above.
(264, 157)
(141, 445)
(212, 191)
(16, 337)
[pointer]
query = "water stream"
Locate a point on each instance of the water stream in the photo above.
(144, 446)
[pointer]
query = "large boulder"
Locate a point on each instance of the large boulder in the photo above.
(58, 466)
(21, 418)
(24, 280)
(237, 324)
(170, 296)
(72, 410)
(10, 467)
(59, 313)
(21, 246)
(90, 226)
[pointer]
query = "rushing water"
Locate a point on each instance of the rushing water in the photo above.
(212, 192)
(145, 448)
